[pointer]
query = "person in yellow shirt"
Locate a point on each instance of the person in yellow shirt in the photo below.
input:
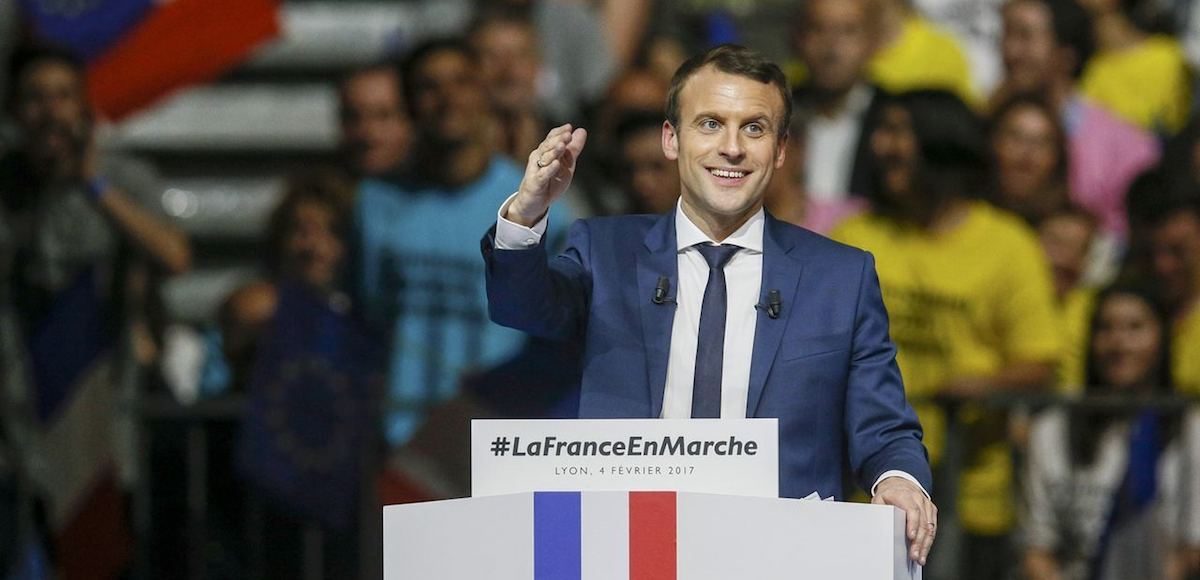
(1067, 235)
(1172, 229)
(969, 294)
(1142, 77)
(914, 53)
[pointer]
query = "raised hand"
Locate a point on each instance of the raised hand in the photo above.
(547, 174)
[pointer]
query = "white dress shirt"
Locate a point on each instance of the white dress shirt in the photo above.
(743, 280)
(832, 145)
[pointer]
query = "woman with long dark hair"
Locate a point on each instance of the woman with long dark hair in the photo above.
(968, 291)
(1110, 492)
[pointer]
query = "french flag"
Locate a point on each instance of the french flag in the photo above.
(571, 538)
(72, 369)
(138, 51)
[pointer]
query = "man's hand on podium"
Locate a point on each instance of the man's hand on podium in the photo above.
(920, 513)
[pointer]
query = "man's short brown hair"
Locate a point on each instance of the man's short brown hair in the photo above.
(735, 60)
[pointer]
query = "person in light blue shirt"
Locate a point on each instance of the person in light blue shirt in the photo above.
(417, 275)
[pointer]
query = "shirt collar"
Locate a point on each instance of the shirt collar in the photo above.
(749, 236)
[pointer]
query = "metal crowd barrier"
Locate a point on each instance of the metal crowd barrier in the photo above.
(161, 415)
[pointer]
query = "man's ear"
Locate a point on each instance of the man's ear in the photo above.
(781, 153)
(670, 141)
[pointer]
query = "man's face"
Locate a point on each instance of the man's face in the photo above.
(53, 115)
(1026, 151)
(650, 176)
(312, 249)
(1066, 240)
(376, 134)
(448, 99)
(1175, 256)
(1028, 46)
(727, 143)
(1126, 342)
(836, 43)
(509, 63)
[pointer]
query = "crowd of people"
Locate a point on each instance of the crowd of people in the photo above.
(1038, 235)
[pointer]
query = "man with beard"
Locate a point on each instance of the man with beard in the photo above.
(80, 244)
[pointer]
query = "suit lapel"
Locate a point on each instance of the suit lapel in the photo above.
(781, 271)
(659, 258)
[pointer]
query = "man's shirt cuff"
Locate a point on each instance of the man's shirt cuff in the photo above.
(514, 236)
(901, 474)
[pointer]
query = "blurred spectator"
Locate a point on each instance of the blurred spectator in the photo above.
(1172, 224)
(636, 92)
(1029, 155)
(969, 297)
(835, 39)
(914, 53)
(306, 245)
(506, 44)
(417, 278)
(1045, 45)
(309, 369)
(976, 26)
(1110, 493)
(1140, 76)
(1066, 235)
(1181, 157)
(1186, 17)
(579, 62)
(81, 243)
(786, 197)
(625, 23)
(650, 180)
(376, 133)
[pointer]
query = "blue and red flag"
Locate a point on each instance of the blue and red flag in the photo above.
(138, 51)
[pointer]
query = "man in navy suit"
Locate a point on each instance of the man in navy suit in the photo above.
(718, 309)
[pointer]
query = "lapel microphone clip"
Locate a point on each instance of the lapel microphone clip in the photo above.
(774, 305)
(660, 292)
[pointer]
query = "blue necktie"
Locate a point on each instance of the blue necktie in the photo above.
(710, 343)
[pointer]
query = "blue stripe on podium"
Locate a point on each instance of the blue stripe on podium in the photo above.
(557, 542)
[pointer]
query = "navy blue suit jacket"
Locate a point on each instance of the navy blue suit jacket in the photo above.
(826, 367)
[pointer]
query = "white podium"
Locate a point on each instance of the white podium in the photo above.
(642, 536)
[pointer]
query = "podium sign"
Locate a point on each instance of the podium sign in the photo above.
(718, 456)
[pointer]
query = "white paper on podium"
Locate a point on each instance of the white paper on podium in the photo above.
(722, 456)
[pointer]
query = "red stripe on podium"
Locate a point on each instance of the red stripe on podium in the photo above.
(652, 535)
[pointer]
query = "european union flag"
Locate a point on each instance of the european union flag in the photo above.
(308, 420)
